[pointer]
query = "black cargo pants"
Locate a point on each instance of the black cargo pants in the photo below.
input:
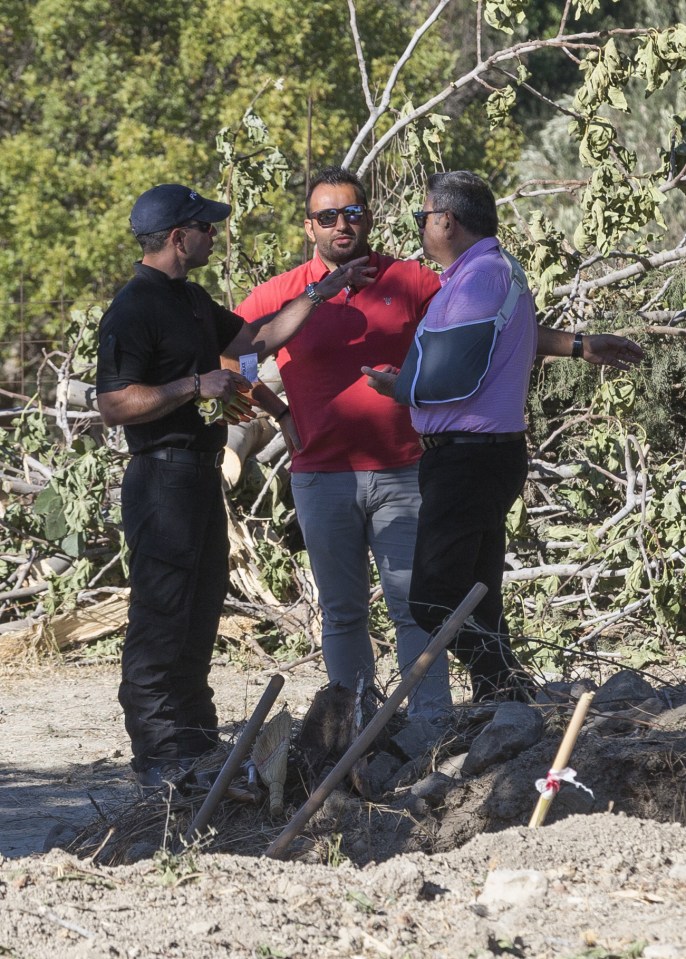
(175, 525)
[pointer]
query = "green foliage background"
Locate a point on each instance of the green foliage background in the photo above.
(99, 101)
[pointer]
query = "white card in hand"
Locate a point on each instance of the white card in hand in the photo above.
(249, 366)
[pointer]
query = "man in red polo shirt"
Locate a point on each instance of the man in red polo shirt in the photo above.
(354, 471)
(354, 475)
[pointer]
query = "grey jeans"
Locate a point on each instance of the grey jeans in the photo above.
(343, 516)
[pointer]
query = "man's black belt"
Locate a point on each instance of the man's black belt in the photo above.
(430, 441)
(199, 457)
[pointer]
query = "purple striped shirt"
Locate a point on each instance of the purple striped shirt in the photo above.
(474, 287)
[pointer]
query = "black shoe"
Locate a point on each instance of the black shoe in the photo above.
(162, 775)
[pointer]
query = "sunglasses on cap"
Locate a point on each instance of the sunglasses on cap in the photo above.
(351, 214)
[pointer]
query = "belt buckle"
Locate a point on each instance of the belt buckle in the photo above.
(218, 459)
(427, 442)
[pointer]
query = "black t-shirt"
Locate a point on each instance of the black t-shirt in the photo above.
(155, 331)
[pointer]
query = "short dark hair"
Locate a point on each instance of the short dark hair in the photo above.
(467, 196)
(153, 242)
(335, 176)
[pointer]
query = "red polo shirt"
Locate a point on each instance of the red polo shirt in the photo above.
(342, 423)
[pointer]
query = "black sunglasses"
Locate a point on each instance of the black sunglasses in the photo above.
(196, 225)
(351, 214)
(421, 217)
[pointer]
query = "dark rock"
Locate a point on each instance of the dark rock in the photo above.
(582, 686)
(417, 738)
(554, 693)
(575, 801)
(432, 789)
(408, 773)
(514, 728)
(622, 690)
(380, 770)
(59, 836)
(629, 720)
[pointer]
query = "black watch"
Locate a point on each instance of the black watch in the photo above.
(313, 295)
(577, 346)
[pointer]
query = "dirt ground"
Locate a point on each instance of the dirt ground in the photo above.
(451, 874)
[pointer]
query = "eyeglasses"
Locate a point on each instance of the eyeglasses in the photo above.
(422, 215)
(351, 214)
(196, 225)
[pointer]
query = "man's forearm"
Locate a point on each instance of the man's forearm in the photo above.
(270, 333)
(600, 349)
(139, 403)
(554, 342)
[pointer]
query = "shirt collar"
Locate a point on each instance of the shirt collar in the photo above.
(476, 249)
(157, 276)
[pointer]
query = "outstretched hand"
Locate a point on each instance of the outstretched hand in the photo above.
(356, 274)
(382, 380)
(610, 350)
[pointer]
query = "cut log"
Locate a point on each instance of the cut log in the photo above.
(78, 394)
(243, 441)
(70, 629)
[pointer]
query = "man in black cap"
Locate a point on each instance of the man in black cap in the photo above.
(160, 345)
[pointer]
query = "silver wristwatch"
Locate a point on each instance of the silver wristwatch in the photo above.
(313, 295)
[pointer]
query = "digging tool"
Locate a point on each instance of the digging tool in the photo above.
(369, 733)
(236, 757)
(551, 784)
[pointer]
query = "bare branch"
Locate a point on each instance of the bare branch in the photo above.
(364, 77)
(580, 41)
(378, 111)
(562, 571)
(648, 263)
(606, 620)
(479, 28)
(632, 498)
(564, 18)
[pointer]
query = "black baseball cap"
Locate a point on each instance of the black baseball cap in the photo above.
(169, 205)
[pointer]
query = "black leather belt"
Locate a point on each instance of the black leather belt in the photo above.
(199, 457)
(430, 441)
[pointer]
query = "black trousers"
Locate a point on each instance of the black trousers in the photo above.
(175, 525)
(467, 491)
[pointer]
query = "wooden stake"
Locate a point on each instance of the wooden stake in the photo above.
(563, 754)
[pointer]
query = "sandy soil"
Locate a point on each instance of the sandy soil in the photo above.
(460, 878)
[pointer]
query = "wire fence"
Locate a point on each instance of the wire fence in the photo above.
(24, 347)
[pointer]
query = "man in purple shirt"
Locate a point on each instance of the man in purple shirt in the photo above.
(470, 417)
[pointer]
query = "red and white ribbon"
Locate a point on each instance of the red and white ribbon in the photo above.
(550, 786)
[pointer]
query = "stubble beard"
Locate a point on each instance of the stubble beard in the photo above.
(360, 247)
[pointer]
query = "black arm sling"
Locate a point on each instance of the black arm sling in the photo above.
(446, 365)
